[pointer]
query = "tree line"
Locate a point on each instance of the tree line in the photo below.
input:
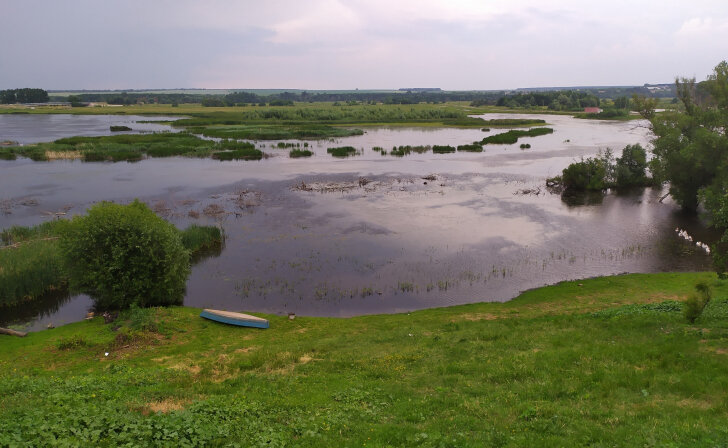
(25, 95)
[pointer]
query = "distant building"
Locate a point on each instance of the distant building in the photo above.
(592, 110)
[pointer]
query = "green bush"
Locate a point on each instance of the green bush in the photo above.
(587, 174)
(473, 147)
(124, 255)
(697, 301)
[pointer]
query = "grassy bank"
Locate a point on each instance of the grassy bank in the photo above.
(601, 362)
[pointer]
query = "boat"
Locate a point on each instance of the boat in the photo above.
(232, 318)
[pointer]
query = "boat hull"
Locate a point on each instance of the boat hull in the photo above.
(239, 319)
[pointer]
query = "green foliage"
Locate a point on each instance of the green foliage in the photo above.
(691, 150)
(119, 128)
(525, 146)
(587, 174)
(511, 137)
(631, 166)
(342, 151)
(124, 255)
(296, 153)
(25, 95)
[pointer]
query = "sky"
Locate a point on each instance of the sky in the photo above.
(365, 44)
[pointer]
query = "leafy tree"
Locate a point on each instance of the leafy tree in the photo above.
(631, 166)
(587, 174)
(126, 255)
(691, 150)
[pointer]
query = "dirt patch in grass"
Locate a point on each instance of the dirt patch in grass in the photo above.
(166, 405)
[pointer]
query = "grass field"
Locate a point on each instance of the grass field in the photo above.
(606, 362)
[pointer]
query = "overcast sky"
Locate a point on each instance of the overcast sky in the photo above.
(366, 44)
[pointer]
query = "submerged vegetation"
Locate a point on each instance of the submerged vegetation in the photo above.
(297, 153)
(511, 137)
(273, 132)
(342, 151)
(579, 363)
(127, 147)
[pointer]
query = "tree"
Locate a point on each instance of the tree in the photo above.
(125, 255)
(691, 150)
(631, 166)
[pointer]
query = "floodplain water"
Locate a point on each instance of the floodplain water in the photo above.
(370, 233)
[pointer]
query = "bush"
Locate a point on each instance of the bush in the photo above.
(588, 174)
(124, 255)
(697, 301)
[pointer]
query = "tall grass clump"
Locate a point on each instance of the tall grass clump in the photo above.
(197, 238)
(31, 264)
(697, 301)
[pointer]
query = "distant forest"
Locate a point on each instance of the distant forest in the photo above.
(25, 95)
(564, 99)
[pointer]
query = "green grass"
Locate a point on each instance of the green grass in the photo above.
(602, 362)
(511, 137)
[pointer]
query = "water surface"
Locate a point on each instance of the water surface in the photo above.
(378, 234)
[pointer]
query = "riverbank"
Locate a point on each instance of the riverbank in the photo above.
(602, 362)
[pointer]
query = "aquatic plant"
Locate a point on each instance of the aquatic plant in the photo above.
(473, 147)
(342, 151)
(442, 149)
(296, 153)
(512, 136)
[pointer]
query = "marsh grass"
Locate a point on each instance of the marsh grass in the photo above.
(512, 136)
(400, 151)
(342, 151)
(474, 147)
(443, 149)
(297, 153)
